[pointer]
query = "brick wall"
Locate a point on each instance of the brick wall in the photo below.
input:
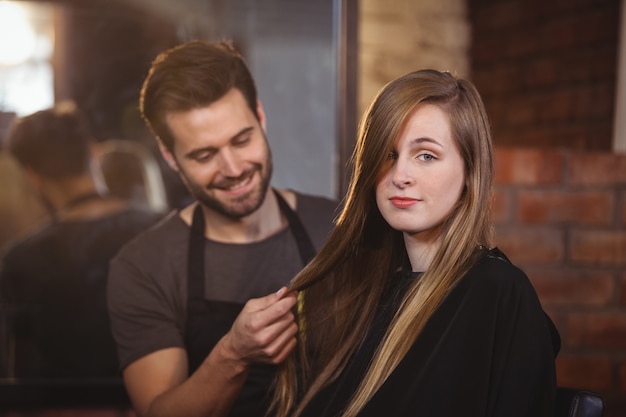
(404, 35)
(70, 412)
(547, 70)
(561, 216)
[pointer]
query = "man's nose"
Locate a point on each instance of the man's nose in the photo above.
(229, 163)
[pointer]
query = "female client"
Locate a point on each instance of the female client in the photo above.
(409, 310)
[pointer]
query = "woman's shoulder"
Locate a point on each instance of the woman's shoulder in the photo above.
(495, 270)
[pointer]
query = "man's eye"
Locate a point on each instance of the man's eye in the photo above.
(203, 157)
(242, 141)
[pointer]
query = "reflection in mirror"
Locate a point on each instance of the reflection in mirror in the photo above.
(53, 282)
(26, 41)
(96, 53)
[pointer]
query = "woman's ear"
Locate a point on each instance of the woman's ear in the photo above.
(167, 155)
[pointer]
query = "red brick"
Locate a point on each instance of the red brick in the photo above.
(598, 137)
(519, 44)
(595, 64)
(596, 168)
(532, 136)
(598, 247)
(528, 166)
(559, 33)
(557, 135)
(501, 205)
(71, 412)
(544, 246)
(521, 111)
(573, 288)
(499, 16)
(486, 51)
(584, 372)
(623, 288)
(557, 107)
(606, 330)
(622, 377)
(582, 207)
(601, 25)
(599, 100)
(498, 81)
(573, 104)
(542, 72)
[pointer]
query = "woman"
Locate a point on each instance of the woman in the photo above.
(406, 311)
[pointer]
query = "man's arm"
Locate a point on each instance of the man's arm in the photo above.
(264, 332)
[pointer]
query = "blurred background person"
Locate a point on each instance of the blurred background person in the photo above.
(20, 209)
(53, 281)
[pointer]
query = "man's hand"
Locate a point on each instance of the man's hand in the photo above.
(265, 330)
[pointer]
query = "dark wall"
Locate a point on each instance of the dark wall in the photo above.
(104, 52)
(547, 70)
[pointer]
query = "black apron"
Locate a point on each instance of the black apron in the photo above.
(208, 320)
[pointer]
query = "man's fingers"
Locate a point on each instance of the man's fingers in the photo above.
(259, 318)
(281, 344)
(264, 327)
(260, 304)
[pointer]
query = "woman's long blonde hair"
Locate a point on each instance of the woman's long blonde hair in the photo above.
(341, 288)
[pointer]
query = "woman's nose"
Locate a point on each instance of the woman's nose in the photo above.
(400, 175)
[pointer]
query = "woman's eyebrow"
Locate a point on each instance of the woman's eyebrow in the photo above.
(426, 139)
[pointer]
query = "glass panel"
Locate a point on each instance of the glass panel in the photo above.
(100, 52)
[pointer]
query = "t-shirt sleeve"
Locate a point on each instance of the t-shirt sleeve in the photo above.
(144, 303)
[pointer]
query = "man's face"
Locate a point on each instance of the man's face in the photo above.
(222, 155)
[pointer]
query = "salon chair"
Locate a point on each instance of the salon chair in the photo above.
(572, 402)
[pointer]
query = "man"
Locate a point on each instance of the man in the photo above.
(53, 282)
(197, 332)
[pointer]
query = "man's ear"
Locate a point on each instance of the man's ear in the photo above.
(167, 155)
(261, 114)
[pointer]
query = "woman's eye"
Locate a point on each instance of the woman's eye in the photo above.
(426, 157)
(392, 155)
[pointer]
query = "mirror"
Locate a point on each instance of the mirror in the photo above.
(301, 53)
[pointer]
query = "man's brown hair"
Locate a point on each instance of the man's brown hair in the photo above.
(191, 76)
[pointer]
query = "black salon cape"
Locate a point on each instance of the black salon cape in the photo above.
(488, 350)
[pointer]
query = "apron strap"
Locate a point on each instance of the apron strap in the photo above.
(195, 254)
(305, 246)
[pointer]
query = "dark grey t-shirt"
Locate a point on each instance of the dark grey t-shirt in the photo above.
(147, 292)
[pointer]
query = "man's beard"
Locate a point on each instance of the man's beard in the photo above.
(239, 207)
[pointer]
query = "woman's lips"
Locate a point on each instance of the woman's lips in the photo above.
(403, 202)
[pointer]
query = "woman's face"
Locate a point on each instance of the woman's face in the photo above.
(424, 176)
